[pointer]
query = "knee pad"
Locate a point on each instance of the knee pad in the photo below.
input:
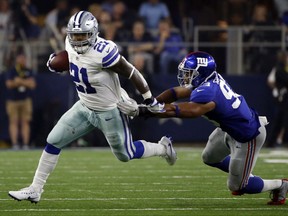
(59, 136)
(118, 148)
(216, 149)
(205, 157)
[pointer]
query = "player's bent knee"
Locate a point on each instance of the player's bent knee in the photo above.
(122, 157)
(206, 157)
(233, 186)
(235, 174)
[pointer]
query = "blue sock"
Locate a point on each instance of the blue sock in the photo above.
(139, 149)
(254, 186)
(52, 149)
(223, 165)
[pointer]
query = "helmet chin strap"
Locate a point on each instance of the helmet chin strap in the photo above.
(82, 49)
(188, 86)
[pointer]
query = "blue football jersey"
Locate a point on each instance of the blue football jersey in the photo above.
(232, 114)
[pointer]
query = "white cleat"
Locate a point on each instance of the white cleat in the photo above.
(28, 193)
(170, 155)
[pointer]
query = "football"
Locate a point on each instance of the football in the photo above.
(60, 62)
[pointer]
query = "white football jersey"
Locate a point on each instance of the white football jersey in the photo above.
(98, 87)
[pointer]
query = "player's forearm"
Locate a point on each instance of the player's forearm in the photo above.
(171, 110)
(126, 69)
(139, 82)
(168, 96)
(181, 110)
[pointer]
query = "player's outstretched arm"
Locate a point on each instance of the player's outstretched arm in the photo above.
(174, 94)
(180, 110)
(186, 110)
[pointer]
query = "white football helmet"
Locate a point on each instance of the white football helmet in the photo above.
(82, 31)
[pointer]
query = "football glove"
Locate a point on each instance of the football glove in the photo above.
(153, 105)
(129, 107)
(48, 62)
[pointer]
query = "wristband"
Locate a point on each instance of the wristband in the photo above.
(177, 110)
(132, 72)
(173, 92)
(147, 95)
(144, 112)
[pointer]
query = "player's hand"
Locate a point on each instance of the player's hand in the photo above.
(129, 107)
(51, 57)
(153, 105)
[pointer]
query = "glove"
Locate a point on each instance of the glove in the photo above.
(48, 62)
(129, 107)
(153, 105)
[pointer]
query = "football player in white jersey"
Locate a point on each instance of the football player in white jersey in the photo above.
(94, 66)
(234, 145)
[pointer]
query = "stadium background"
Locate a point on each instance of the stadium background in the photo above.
(55, 94)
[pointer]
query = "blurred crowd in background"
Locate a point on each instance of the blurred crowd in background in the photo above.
(138, 27)
(244, 36)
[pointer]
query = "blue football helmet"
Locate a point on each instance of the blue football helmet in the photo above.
(196, 68)
(82, 31)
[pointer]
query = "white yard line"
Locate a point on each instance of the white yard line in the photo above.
(143, 209)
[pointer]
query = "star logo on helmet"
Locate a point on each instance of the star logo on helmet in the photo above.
(89, 23)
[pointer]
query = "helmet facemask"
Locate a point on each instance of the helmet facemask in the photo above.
(186, 76)
(86, 41)
(82, 31)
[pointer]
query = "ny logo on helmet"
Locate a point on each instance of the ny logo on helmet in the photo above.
(202, 62)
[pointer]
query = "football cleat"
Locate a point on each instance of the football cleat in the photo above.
(28, 193)
(278, 196)
(237, 193)
(170, 155)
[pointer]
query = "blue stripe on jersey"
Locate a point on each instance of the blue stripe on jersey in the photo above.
(107, 57)
(111, 60)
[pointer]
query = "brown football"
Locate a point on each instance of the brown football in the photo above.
(60, 62)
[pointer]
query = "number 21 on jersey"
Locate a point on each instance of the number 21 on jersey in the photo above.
(80, 78)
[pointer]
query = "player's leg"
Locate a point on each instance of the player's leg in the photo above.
(12, 109)
(115, 127)
(25, 119)
(72, 125)
(243, 160)
(216, 152)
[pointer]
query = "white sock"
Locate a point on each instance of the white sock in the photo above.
(271, 184)
(46, 165)
(152, 149)
(279, 141)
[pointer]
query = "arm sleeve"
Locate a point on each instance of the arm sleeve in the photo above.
(112, 56)
(202, 94)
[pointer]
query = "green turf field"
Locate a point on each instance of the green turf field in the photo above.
(93, 182)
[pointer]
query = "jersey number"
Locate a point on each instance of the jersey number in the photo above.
(229, 94)
(80, 78)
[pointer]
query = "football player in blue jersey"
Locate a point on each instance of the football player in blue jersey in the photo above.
(235, 144)
(95, 64)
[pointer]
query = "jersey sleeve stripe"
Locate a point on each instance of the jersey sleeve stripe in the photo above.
(107, 64)
(109, 56)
